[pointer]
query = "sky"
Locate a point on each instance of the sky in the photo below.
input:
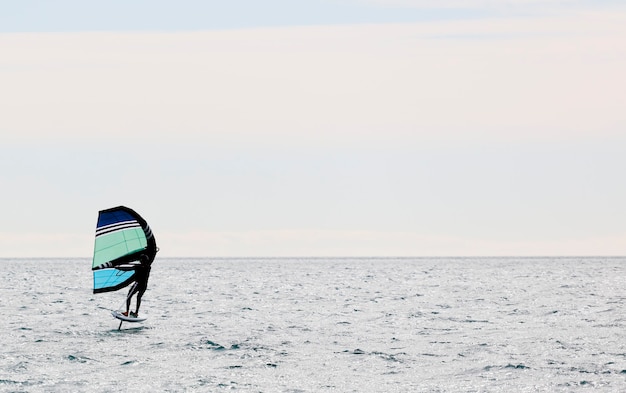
(315, 128)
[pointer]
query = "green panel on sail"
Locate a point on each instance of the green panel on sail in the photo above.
(113, 245)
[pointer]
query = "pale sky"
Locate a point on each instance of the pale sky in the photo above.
(316, 128)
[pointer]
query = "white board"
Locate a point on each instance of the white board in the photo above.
(124, 318)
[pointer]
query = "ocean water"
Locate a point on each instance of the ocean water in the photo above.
(317, 325)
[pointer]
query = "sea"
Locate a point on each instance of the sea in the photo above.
(494, 324)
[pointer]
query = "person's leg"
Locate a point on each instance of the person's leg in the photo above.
(139, 295)
(131, 292)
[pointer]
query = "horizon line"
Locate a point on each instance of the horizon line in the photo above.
(351, 257)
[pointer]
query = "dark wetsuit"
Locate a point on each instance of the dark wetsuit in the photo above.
(142, 273)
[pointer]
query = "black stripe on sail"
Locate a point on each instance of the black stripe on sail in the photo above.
(117, 227)
(103, 266)
(127, 222)
(125, 266)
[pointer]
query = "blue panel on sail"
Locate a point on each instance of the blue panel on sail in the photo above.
(113, 217)
(106, 280)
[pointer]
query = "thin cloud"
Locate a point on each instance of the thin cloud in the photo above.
(482, 4)
(481, 9)
(496, 76)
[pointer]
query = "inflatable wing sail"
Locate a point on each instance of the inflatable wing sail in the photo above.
(121, 237)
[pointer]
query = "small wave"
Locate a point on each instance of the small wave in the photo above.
(596, 372)
(432, 355)
(79, 359)
(12, 382)
(208, 344)
(388, 356)
(214, 346)
(391, 357)
(519, 366)
(579, 383)
(21, 366)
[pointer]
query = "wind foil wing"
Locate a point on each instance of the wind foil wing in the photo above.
(121, 236)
